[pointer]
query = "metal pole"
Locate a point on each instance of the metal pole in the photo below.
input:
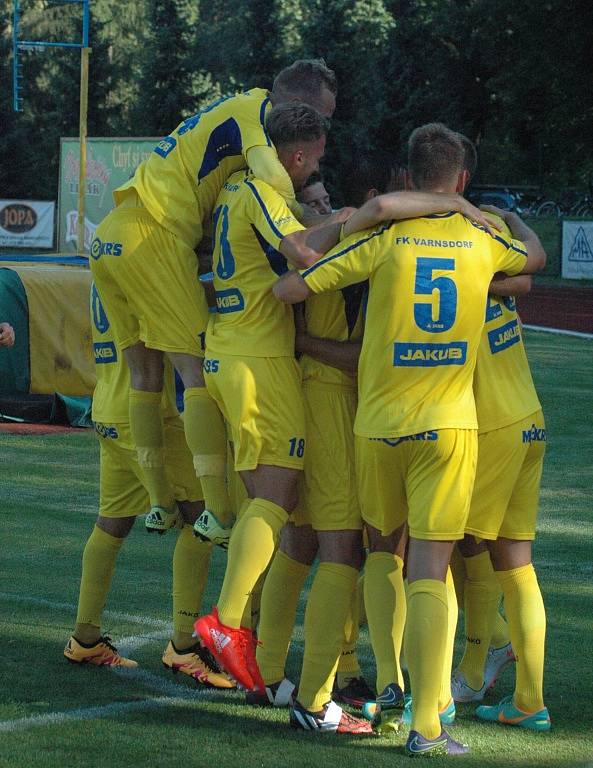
(84, 94)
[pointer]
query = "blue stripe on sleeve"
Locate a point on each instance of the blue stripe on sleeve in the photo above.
(519, 250)
(343, 252)
(262, 205)
(262, 118)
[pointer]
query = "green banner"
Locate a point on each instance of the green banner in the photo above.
(110, 162)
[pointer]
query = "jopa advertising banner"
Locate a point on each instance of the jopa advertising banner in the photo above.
(110, 162)
(577, 249)
(26, 224)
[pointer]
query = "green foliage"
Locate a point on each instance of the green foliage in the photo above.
(515, 80)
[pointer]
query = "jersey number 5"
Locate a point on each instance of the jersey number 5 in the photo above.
(425, 285)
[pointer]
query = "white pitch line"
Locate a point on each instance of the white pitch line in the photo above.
(91, 713)
(132, 618)
(133, 642)
(558, 331)
(174, 695)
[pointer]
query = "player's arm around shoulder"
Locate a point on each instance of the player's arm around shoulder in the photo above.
(306, 246)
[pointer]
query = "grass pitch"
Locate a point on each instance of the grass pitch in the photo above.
(55, 714)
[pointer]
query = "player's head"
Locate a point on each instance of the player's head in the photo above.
(369, 174)
(314, 194)
(298, 132)
(470, 155)
(308, 80)
(436, 160)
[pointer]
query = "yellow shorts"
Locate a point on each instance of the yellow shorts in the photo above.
(424, 479)
(261, 399)
(121, 491)
(148, 283)
(506, 494)
(327, 495)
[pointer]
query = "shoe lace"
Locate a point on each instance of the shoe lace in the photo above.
(206, 658)
(106, 640)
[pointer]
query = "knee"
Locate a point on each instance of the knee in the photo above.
(118, 527)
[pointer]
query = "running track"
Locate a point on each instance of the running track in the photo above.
(569, 309)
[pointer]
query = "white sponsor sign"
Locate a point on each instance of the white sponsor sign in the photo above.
(26, 224)
(71, 235)
(577, 249)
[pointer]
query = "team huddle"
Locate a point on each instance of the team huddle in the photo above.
(356, 391)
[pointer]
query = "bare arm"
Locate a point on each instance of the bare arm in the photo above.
(291, 288)
(536, 256)
(339, 354)
(6, 335)
(519, 285)
(304, 248)
(409, 205)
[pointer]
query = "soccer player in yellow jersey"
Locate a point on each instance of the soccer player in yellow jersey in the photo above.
(503, 512)
(250, 368)
(416, 427)
(122, 498)
(144, 266)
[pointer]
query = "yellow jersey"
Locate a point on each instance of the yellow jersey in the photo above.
(250, 221)
(335, 315)
(110, 398)
(428, 283)
(180, 181)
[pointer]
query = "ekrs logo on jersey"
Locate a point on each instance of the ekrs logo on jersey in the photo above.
(504, 337)
(99, 248)
(429, 355)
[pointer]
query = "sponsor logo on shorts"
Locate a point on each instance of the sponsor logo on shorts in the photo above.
(106, 430)
(211, 366)
(534, 435)
(100, 248)
(504, 337)
(393, 441)
(230, 300)
(105, 352)
(429, 355)
(473, 640)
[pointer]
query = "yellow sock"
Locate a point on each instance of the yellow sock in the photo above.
(250, 550)
(191, 559)
(250, 618)
(279, 601)
(146, 428)
(362, 611)
(445, 695)
(385, 601)
(527, 623)
(457, 566)
(482, 598)
(206, 437)
(426, 638)
(348, 666)
(500, 632)
(98, 565)
(325, 617)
